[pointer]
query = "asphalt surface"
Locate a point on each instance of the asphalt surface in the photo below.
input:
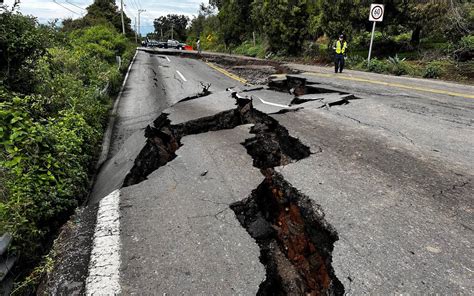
(153, 85)
(391, 170)
(190, 242)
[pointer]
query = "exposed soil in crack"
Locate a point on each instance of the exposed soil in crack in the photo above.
(296, 242)
(273, 145)
(299, 86)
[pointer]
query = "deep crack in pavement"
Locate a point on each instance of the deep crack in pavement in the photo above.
(296, 242)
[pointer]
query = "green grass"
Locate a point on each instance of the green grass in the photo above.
(248, 49)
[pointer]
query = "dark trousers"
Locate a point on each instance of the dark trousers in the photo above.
(339, 62)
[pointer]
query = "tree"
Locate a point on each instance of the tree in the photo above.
(202, 21)
(342, 16)
(172, 26)
(101, 12)
(106, 9)
(235, 22)
(285, 24)
(22, 42)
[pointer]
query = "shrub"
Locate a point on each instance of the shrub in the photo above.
(22, 42)
(433, 70)
(49, 138)
(377, 66)
(397, 66)
(356, 62)
(101, 41)
(465, 49)
(402, 38)
(45, 161)
(247, 48)
(467, 42)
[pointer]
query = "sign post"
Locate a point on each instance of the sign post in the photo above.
(376, 15)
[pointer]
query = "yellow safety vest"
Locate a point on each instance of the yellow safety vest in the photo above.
(341, 48)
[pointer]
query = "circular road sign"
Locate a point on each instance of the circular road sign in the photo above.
(376, 12)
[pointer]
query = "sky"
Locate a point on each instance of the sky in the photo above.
(47, 10)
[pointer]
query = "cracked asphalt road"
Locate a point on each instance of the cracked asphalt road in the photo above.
(152, 86)
(392, 171)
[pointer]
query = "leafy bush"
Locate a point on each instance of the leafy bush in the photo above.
(316, 50)
(464, 51)
(467, 42)
(247, 48)
(45, 160)
(433, 70)
(101, 41)
(49, 136)
(402, 38)
(356, 62)
(78, 85)
(378, 66)
(22, 42)
(397, 66)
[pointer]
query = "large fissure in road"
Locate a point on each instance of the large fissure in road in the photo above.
(295, 241)
(163, 139)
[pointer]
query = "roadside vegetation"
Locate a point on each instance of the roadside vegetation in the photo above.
(432, 39)
(56, 88)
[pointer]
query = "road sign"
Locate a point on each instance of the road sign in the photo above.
(376, 12)
(376, 15)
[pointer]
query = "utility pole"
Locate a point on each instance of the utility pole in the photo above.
(121, 14)
(172, 31)
(136, 33)
(139, 28)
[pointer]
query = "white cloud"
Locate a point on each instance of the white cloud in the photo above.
(47, 10)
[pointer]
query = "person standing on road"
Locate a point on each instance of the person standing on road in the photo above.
(198, 45)
(340, 48)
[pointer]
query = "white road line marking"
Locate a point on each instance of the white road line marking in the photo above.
(273, 104)
(104, 265)
(168, 59)
(181, 75)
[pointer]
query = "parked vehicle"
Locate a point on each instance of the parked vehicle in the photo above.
(168, 44)
(173, 43)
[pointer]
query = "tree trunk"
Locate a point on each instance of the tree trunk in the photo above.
(415, 36)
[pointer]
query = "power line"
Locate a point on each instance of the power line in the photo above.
(74, 5)
(139, 4)
(67, 8)
(128, 11)
(137, 7)
(133, 7)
